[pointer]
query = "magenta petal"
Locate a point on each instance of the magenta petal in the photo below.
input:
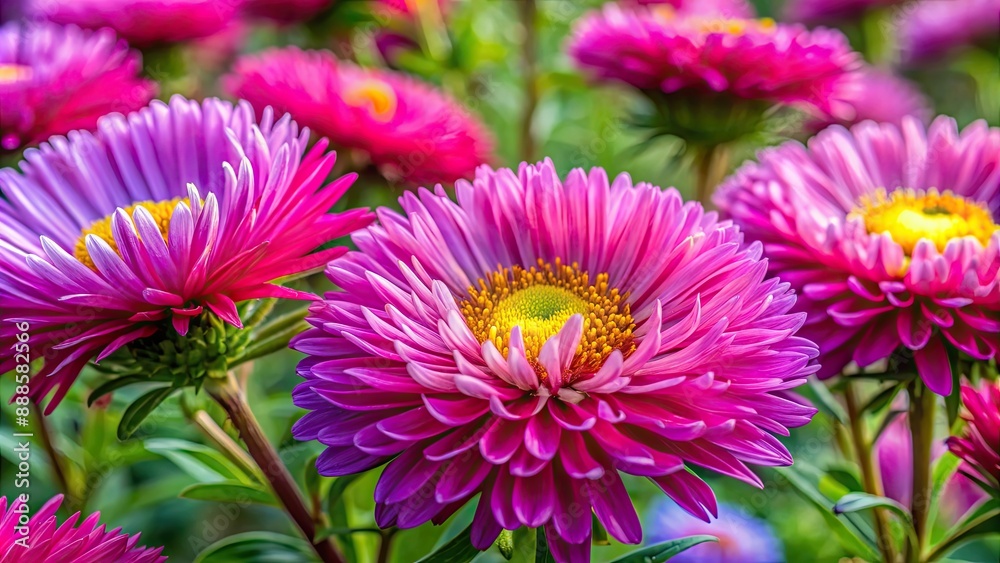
(534, 498)
(614, 509)
(934, 366)
(564, 551)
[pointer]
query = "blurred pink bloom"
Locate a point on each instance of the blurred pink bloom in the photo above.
(143, 22)
(658, 48)
(410, 130)
(285, 11)
(55, 78)
(932, 28)
(877, 95)
(725, 8)
(818, 11)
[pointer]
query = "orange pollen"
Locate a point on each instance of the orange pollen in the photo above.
(374, 95)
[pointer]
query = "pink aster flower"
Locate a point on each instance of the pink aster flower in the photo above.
(979, 445)
(890, 235)
(410, 130)
(409, 8)
(529, 343)
(656, 48)
(139, 228)
(40, 537)
(724, 8)
(54, 79)
(143, 22)
(814, 11)
(879, 96)
(931, 28)
(894, 453)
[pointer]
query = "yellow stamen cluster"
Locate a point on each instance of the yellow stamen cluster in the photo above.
(374, 95)
(732, 26)
(540, 300)
(910, 215)
(14, 73)
(160, 210)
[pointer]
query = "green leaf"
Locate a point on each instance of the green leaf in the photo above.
(882, 399)
(259, 547)
(664, 550)
(200, 462)
(886, 421)
(826, 402)
(458, 550)
(600, 535)
(542, 553)
(854, 502)
(140, 409)
(337, 489)
(229, 491)
(806, 486)
(119, 382)
(982, 522)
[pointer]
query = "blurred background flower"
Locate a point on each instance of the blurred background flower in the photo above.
(876, 95)
(979, 444)
(55, 78)
(932, 28)
(410, 131)
(742, 538)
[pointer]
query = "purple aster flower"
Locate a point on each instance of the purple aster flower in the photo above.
(816, 11)
(657, 48)
(931, 28)
(529, 343)
(742, 538)
(143, 22)
(876, 95)
(73, 540)
(111, 237)
(890, 235)
(54, 79)
(723, 8)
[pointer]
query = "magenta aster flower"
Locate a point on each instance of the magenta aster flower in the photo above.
(931, 28)
(43, 538)
(890, 235)
(529, 343)
(879, 96)
(54, 79)
(979, 445)
(410, 130)
(139, 228)
(814, 11)
(143, 22)
(724, 8)
(656, 48)
(742, 537)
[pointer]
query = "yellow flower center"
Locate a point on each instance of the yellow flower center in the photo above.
(910, 215)
(732, 26)
(540, 300)
(14, 73)
(374, 95)
(160, 210)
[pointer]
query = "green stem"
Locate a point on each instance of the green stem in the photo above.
(711, 163)
(869, 478)
(224, 443)
(270, 344)
(529, 47)
(921, 419)
(55, 459)
(232, 399)
(385, 548)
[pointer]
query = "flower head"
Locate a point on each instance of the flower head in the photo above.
(932, 28)
(742, 538)
(657, 48)
(136, 230)
(54, 79)
(408, 129)
(979, 445)
(143, 22)
(815, 11)
(73, 540)
(889, 233)
(723, 8)
(876, 95)
(529, 343)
